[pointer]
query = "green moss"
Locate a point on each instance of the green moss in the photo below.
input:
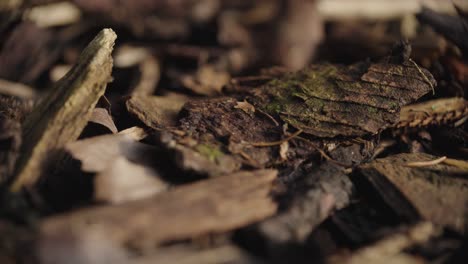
(372, 110)
(209, 151)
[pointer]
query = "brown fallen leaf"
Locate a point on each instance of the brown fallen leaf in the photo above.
(62, 114)
(101, 116)
(209, 206)
(437, 193)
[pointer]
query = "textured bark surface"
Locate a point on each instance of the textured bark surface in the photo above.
(61, 116)
(437, 193)
(447, 111)
(323, 191)
(214, 205)
(330, 100)
(156, 111)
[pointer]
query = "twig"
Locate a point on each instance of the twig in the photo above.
(423, 75)
(325, 155)
(269, 117)
(417, 164)
(457, 163)
(275, 143)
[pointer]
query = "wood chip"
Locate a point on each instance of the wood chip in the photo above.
(156, 111)
(210, 206)
(16, 89)
(331, 100)
(62, 114)
(54, 14)
(436, 193)
(327, 189)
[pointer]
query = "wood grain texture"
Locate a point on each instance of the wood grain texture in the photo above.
(61, 116)
(210, 206)
(436, 193)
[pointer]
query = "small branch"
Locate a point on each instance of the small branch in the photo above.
(417, 164)
(276, 143)
(423, 75)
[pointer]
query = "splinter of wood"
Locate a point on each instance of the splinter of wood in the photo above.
(61, 116)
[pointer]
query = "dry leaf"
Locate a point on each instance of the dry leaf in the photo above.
(101, 116)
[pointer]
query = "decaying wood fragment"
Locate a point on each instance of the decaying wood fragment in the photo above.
(437, 193)
(306, 107)
(61, 116)
(434, 112)
(330, 100)
(209, 206)
(322, 191)
(156, 111)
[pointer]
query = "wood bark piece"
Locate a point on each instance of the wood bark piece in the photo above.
(214, 205)
(62, 115)
(332, 100)
(16, 89)
(156, 111)
(327, 189)
(437, 193)
(434, 112)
